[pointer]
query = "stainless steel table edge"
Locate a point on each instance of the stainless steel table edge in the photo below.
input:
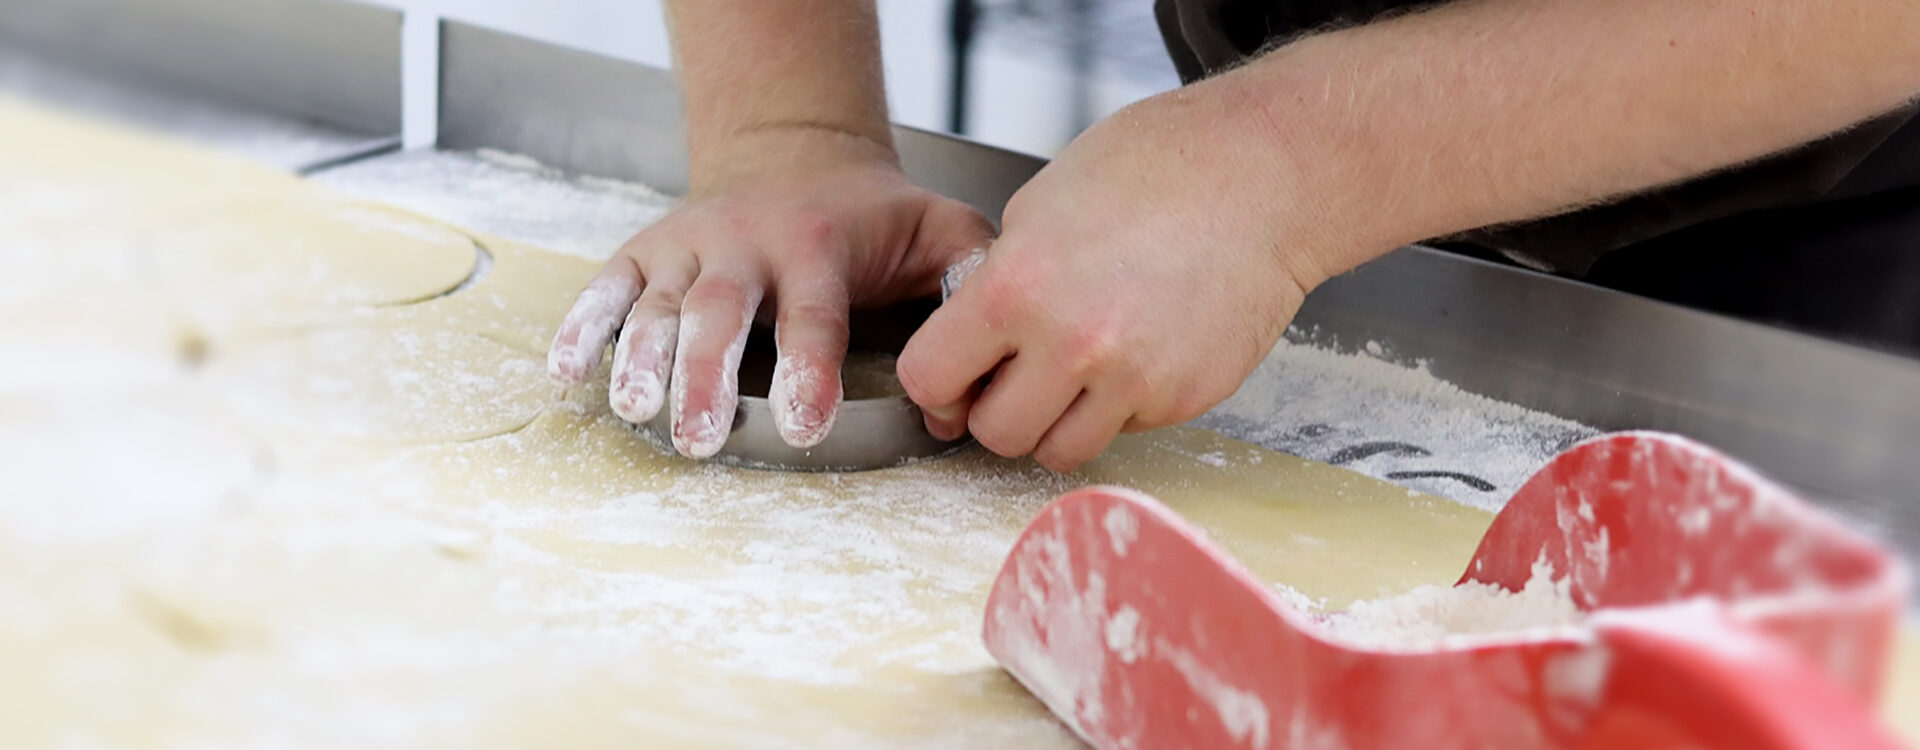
(327, 67)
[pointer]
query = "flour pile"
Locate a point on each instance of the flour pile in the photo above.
(1452, 616)
(1372, 413)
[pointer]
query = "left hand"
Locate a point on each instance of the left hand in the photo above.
(1140, 277)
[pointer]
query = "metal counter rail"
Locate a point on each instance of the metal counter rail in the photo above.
(297, 83)
(590, 114)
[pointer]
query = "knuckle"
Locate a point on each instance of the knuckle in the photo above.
(1185, 409)
(716, 289)
(642, 243)
(699, 368)
(1007, 295)
(815, 228)
(1149, 420)
(738, 223)
(997, 437)
(809, 239)
(657, 305)
(912, 373)
(1091, 346)
(1135, 385)
(1189, 403)
(823, 315)
(1061, 458)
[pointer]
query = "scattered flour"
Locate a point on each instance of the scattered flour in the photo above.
(509, 195)
(1441, 616)
(1217, 459)
(537, 549)
(1391, 421)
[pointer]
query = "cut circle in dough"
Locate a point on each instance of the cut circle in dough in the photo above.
(266, 264)
(397, 384)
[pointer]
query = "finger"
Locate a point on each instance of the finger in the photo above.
(1025, 398)
(952, 424)
(590, 324)
(944, 360)
(811, 335)
(1083, 433)
(714, 321)
(638, 386)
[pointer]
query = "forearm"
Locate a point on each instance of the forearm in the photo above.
(752, 67)
(1489, 111)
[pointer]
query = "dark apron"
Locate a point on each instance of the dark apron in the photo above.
(1824, 237)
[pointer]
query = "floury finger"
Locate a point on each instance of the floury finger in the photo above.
(644, 355)
(590, 324)
(714, 323)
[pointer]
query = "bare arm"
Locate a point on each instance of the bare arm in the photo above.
(1146, 270)
(1491, 111)
(753, 68)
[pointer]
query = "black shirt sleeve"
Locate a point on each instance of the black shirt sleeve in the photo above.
(1205, 37)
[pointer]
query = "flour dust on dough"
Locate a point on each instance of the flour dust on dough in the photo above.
(262, 265)
(490, 565)
(494, 565)
(403, 384)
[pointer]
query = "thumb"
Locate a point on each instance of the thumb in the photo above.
(949, 232)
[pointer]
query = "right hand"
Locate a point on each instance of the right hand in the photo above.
(804, 222)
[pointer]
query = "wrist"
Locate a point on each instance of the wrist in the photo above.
(788, 147)
(1310, 176)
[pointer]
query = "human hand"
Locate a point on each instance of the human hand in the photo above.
(1139, 278)
(802, 222)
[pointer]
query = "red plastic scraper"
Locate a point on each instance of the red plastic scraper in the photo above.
(1722, 613)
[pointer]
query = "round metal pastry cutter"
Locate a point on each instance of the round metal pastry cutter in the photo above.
(869, 433)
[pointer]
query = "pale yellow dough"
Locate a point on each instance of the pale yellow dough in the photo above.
(374, 524)
(394, 383)
(266, 265)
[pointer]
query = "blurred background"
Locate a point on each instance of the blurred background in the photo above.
(1036, 72)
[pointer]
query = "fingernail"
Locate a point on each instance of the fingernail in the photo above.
(699, 435)
(944, 423)
(803, 426)
(945, 429)
(805, 416)
(562, 364)
(636, 397)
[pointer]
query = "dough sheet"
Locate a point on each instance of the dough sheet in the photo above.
(285, 470)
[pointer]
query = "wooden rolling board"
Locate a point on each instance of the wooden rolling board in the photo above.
(386, 529)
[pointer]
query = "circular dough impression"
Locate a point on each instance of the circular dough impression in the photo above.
(392, 384)
(267, 264)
